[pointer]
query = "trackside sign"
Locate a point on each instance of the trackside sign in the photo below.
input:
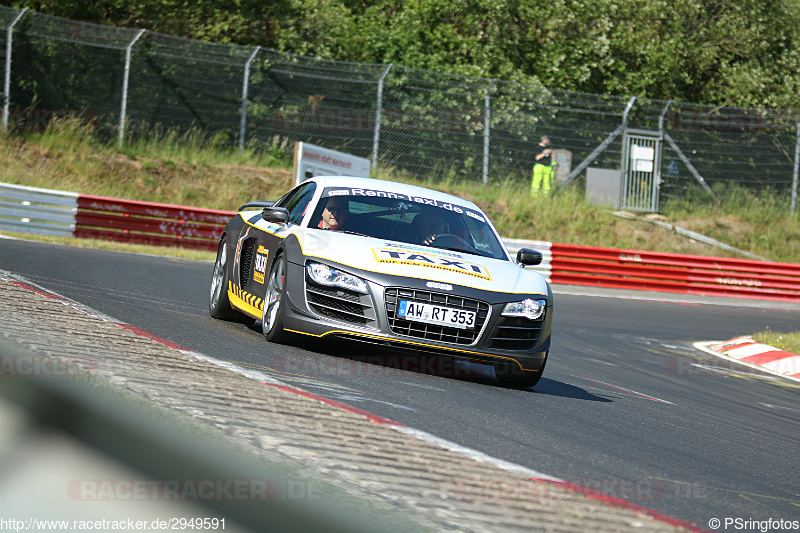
(311, 160)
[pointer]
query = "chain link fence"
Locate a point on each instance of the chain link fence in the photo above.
(130, 82)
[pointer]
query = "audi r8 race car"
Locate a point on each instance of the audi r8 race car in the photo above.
(388, 263)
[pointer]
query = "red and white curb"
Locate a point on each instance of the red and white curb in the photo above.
(746, 351)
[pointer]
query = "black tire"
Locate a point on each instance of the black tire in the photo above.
(219, 306)
(275, 302)
(510, 375)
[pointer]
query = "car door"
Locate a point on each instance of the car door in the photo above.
(263, 238)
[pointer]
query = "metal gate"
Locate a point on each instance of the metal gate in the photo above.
(641, 170)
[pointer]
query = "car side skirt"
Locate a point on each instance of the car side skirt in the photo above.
(245, 302)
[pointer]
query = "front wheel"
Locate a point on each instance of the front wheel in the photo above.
(274, 303)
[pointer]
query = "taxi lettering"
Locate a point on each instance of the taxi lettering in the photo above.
(431, 260)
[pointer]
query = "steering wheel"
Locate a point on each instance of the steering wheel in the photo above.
(454, 237)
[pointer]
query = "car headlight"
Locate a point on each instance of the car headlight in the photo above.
(528, 308)
(333, 277)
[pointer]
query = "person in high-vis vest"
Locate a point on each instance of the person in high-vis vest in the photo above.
(543, 169)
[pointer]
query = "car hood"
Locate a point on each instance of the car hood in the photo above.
(421, 262)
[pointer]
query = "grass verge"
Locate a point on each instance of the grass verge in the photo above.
(167, 168)
(197, 170)
(789, 342)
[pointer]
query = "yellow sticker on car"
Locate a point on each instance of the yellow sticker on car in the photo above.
(260, 264)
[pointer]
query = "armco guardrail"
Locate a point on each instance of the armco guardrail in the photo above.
(149, 223)
(31, 210)
(67, 214)
(711, 276)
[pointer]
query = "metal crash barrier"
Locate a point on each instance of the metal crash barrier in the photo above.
(710, 276)
(24, 209)
(149, 223)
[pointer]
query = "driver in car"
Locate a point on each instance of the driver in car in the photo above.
(430, 225)
(335, 214)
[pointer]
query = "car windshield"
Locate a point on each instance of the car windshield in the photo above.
(407, 219)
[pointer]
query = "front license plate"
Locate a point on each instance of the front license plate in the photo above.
(435, 314)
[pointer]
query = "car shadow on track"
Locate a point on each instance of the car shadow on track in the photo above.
(552, 387)
(343, 358)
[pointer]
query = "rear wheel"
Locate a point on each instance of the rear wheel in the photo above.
(511, 375)
(274, 303)
(219, 306)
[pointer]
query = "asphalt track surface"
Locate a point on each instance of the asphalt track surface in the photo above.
(627, 406)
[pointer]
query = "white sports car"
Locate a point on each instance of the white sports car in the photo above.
(388, 263)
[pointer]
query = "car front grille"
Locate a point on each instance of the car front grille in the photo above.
(340, 304)
(434, 332)
(516, 333)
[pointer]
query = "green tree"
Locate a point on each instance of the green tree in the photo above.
(743, 53)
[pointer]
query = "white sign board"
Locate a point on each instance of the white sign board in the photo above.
(311, 160)
(643, 152)
(642, 157)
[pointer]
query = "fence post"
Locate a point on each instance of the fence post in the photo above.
(486, 118)
(661, 118)
(125, 76)
(378, 117)
(7, 85)
(245, 84)
(597, 151)
(796, 169)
